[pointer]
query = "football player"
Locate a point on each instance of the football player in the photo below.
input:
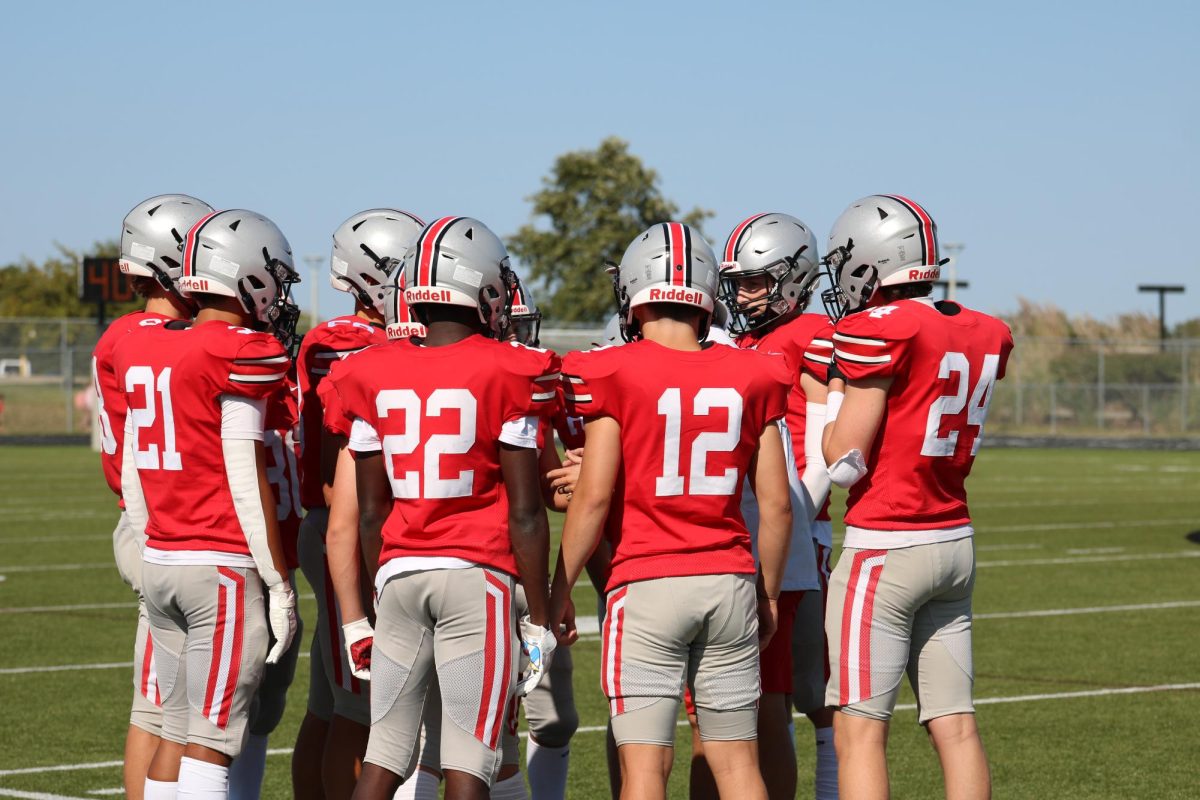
(768, 275)
(152, 254)
(908, 396)
(195, 487)
(444, 437)
(281, 461)
(672, 428)
(550, 708)
(367, 250)
(352, 587)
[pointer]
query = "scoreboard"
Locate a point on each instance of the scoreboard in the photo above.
(101, 281)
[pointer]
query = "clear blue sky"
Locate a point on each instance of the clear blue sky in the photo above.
(1057, 140)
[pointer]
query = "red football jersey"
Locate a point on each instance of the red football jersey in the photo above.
(943, 368)
(173, 381)
(282, 456)
(322, 346)
(439, 412)
(804, 341)
(690, 424)
(110, 395)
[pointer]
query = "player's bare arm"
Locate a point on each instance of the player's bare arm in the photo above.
(550, 468)
(588, 509)
(342, 542)
(527, 525)
(851, 425)
(771, 489)
(374, 502)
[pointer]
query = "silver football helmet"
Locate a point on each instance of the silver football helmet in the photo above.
(367, 249)
(666, 263)
(880, 240)
(398, 319)
(152, 237)
(779, 248)
(457, 261)
(243, 255)
(524, 318)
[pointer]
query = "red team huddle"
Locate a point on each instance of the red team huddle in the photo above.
(403, 457)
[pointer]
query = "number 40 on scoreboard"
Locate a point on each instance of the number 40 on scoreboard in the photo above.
(102, 282)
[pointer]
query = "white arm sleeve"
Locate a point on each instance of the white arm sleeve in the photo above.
(136, 512)
(242, 418)
(815, 479)
(242, 473)
(363, 437)
(849, 469)
(521, 432)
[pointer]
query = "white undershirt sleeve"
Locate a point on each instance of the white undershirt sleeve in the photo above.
(815, 479)
(242, 422)
(363, 437)
(242, 417)
(521, 432)
(137, 515)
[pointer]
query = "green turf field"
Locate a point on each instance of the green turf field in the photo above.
(1087, 646)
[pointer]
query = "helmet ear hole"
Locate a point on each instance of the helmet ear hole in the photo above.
(254, 281)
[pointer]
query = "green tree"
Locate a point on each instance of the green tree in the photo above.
(593, 203)
(51, 289)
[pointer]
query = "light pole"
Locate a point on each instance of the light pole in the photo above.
(314, 267)
(952, 249)
(1162, 291)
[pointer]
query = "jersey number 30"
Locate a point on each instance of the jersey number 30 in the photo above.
(950, 405)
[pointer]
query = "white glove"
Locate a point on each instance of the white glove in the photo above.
(281, 613)
(360, 638)
(537, 649)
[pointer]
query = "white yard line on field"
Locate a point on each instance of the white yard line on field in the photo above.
(1034, 562)
(48, 539)
(36, 795)
(85, 606)
(54, 609)
(980, 547)
(56, 567)
(1078, 526)
(980, 701)
(1067, 612)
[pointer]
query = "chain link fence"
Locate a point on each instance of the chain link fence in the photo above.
(1054, 387)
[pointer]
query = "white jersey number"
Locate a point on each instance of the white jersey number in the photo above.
(956, 364)
(282, 472)
(155, 391)
(671, 483)
(406, 401)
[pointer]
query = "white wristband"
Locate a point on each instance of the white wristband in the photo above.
(833, 404)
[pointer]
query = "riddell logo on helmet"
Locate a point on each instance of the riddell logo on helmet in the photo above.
(193, 284)
(924, 275)
(426, 296)
(676, 296)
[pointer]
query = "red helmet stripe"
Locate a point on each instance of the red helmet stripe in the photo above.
(734, 238)
(427, 249)
(677, 255)
(928, 229)
(189, 244)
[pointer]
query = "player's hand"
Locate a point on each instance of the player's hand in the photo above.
(360, 638)
(574, 456)
(567, 633)
(281, 613)
(537, 645)
(768, 620)
(563, 479)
